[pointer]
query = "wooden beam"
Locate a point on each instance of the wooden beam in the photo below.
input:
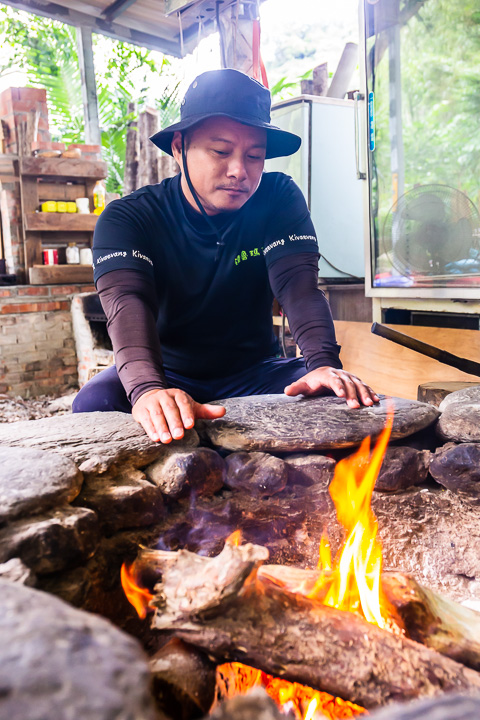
(93, 135)
(55, 11)
(117, 8)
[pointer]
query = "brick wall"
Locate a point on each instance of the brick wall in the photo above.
(37, 347)
(15, 104)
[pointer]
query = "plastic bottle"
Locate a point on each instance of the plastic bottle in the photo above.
(99, 197)
(72, 254)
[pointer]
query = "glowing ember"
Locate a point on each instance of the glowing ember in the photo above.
(137, 596)
(304, 702)
(234, 539)
(352, 581)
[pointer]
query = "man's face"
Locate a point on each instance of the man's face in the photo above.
(225, 162)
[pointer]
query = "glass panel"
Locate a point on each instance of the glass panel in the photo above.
(423, 61)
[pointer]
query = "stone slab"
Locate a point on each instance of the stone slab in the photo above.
(94, 441)
(465, 395)
(33, 481)
(277, 423)
(60, 663)
(54, 541)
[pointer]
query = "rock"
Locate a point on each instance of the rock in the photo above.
(60, 663)
(460, 422)
(97, 441)
(184, 680)
(73, 585)
(53, 541)
(451, 706)
(126, 500)
(277, 423)
(255, 705)
(435, 392)
(15, 571)
(309, 469)
(258, 473)
(469, 394)
(201, 469)
(457, 467)
(402, 468)
(32, 481)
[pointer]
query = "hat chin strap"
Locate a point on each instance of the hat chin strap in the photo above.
(220, 241)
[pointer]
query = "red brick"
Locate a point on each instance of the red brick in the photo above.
(32, 290)
(64, 289)
(25, 106)
(6, 293)
(33, 307)
(87, 288)
(43, 126)
(42, 145)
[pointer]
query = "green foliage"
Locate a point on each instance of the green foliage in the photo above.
(47, 51)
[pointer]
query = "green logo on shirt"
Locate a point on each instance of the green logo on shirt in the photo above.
(244, 255)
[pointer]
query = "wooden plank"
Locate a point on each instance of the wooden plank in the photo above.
(63, 167)
(59, 274)
(394, 370)
(66, 222)
(33, 249)
(93, 135)
(61, 191)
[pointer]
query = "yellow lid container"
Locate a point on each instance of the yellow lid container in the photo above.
(49, 206)
(71, 207)
(61, 206)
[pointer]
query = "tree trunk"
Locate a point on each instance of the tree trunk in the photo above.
(131, 155)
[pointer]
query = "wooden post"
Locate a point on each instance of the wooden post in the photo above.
(131, 154)
(89, 88)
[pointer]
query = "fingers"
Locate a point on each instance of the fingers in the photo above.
(354, 390)
(209, 412)
(164, 414)
(299, 387)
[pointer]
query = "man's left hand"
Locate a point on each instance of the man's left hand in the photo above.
(342, 383)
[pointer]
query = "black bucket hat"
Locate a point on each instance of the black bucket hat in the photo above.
(229, 93)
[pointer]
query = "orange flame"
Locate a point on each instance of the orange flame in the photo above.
(304, 702)
(234, 539)
(352, 581)
(137, 596)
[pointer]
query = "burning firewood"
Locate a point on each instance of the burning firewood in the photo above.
(253, 620)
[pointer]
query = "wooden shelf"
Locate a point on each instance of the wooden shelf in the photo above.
(53, 222)
(59, 274)
(63, 168)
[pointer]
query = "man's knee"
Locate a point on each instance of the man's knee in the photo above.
(104, 393)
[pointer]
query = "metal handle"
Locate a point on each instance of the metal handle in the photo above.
(357, 98)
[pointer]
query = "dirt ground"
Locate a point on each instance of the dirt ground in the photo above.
(13, 409)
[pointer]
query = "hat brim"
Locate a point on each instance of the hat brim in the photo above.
(280, 143)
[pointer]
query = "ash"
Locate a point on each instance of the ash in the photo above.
(14, 409)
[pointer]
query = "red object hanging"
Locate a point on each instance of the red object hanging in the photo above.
(259, 72)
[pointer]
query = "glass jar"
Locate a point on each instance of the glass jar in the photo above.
(72, 254)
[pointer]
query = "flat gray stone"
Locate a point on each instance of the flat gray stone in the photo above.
(32, 481)
(179, 473)
(54, 541)
(126, 500)
(277, 423)
(258, 473)
(60, 663)
(94, 441)
(451, 706)
(403, 467)
(457, 467)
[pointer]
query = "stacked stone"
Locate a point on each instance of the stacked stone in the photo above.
(80, 493)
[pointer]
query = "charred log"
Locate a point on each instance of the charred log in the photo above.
(225, 607)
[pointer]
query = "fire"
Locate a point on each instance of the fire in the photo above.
(352, 581)
(234, 539)
(137, 596)
(304, 702)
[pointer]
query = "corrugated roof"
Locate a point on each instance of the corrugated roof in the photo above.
(142, 22)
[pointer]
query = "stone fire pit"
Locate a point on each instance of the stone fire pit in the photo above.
(80, 493)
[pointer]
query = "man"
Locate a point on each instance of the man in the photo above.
(187, 270)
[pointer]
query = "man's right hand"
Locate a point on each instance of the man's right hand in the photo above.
(165, 414)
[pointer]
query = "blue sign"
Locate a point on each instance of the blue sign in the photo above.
(371, 122)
